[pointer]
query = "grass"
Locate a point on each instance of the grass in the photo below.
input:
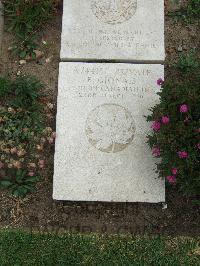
(23, 248)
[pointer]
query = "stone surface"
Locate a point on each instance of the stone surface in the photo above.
(101, 152)
(1, 25)
(122, 30)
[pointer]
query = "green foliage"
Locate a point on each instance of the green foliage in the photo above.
(23, 92)
(193, 9)
(14, 121)
(26, 91)
(188, 63)
(25, 18)
(182, 133)
(5, 86)
(19, 183)
(25, 46)
(29, 14)
(190, 13)
(21, 129)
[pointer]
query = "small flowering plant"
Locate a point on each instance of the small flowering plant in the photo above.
(22, 184)
(24, 137)
(175, 137)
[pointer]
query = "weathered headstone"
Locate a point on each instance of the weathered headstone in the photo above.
(101, 151)
(121, 30)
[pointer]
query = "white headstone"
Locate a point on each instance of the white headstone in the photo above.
(122, 30)
(101, 152)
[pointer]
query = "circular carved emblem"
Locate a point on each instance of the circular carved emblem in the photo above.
(114, 11)
(110, 128)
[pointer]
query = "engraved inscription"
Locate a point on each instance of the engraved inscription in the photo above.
(110, 128)
(121, 84)
(114, 11)
(136, 40)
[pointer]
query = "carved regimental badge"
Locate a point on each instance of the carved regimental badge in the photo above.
(110, 128)
(114, 11)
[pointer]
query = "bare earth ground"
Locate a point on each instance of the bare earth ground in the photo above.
(39, 212)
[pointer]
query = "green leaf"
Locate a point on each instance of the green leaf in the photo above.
(30, 188)
(20, 175)
(33, 55)
(5, 183)
(33, 179)
(21, 192)
(22, 54)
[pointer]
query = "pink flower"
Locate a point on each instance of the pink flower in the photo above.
(10, 165)
(156, 125)
(186, 120)
(184, 108)
(174, 171)
(182, 154)
(54, 135)
(17, 164)
(1, 165)
(160, 82)
(41, 161)
(41, 166)
(13, 150)
(7, 151)
(21, 153)
(51, 140)
(156, 151)
(165, 119)
(31, 173)
(198, 146)
(171, 179)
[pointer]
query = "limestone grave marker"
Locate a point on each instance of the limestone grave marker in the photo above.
(121, 30)
(101, 152)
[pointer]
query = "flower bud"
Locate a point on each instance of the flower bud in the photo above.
(21, 153)
(39, 147)
(17, 164)
(13, 150)
(31, 173)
